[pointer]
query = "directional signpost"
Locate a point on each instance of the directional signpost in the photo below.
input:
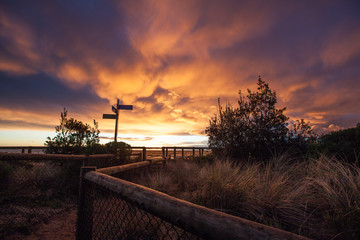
(115, 116)
(109, 116)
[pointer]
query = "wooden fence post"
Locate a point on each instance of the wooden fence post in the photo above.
(83, 232)
(167, 152)
(182, 153)
(144, 154)
(174, 153)
(163, 152)
(193, 153)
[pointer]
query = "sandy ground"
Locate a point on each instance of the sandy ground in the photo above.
(61, 227)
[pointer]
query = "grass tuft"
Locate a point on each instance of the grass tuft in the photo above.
(318, 198)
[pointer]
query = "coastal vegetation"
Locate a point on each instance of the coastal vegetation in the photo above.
(257, 129)
(318, 198)
(267, 169)
(72, 136)
(263, 167)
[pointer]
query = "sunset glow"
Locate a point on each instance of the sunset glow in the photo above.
(172, 60)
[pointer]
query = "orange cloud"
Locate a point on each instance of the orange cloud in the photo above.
(341, 46)
(173, 59)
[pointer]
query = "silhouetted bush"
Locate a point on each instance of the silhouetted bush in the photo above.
(344, 144)
(72, 136)
(256, 129)
(95, 148)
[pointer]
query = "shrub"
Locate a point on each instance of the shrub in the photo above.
(256, 129)
(344, 144)
(95, 148)
(72, 136)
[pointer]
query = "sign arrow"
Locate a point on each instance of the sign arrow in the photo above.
(125, 107)
(109, 116)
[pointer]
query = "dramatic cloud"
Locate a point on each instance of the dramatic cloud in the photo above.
(173, 59)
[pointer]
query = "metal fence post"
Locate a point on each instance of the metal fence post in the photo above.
(80, 211)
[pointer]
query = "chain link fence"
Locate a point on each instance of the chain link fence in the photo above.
(108, 215)
(112, 208)
(32, 191)
(35, 187)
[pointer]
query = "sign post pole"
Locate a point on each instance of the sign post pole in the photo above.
(115, 116)
(116, 121)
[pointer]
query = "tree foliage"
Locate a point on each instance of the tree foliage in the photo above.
(256, 128)
(72, 136)
(344, 144)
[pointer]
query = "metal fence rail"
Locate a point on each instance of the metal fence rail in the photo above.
(112, 208)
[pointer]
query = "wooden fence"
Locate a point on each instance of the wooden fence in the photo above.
(159, 208)
(24, 149)
(165, 152)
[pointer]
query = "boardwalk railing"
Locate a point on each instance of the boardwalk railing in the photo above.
(112, 208)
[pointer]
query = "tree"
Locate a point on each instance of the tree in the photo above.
(72, 136)
(344, 144)
(301, 135)
(256, 129)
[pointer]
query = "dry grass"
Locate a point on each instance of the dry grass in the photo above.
(319, 198)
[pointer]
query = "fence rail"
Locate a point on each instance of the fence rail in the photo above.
(165, 152)
(112, 208)
(34, 156)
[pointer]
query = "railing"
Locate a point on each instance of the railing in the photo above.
(166, 152)
(34, 156)
(112, 208)
(23, 149)
(142, 152)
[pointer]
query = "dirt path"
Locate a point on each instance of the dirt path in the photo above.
(61, 227)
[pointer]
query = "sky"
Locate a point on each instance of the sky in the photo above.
(172, 60)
